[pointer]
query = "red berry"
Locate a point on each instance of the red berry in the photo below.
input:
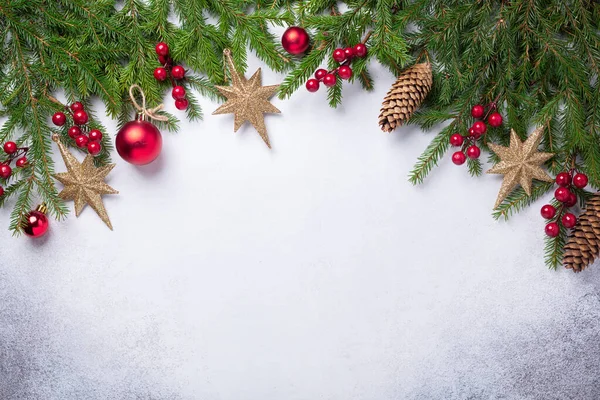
(76, 106)
(568, 220)
(548, 211)
(59, 119)
(1, 191)
(473, 152)
(21, 162)
(459, 158)
(80, 117)
(329, 80)
(579, 180)
(495, 119)
(473, 133)
(178, 72)
(349, 52)
(312, 85)
(74, 131)
(345, 72)
(552, 229)
(563, 179)
(5, 171)
(95, 135)
(94, 148)
(181, 104)
(320, 73)
(360, 50)
(572, 200)
(162, 49)
(477, 111)
(178, 92)
(479, 127)
(162, 60)
(456, 139)
(10, 147)
(562, 194)
(81, 141)
(160, 74)
(339, 55)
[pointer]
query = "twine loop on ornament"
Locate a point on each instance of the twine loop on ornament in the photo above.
(142, 110)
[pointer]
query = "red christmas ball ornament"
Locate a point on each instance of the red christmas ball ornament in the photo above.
(562, 194)
(563, 179)
(569, 220)
(477, 111)
(162, 49)
(10, 147)
(329, 80)
(360, 50)
(21, 162)
(548, 211)
(178, 72)
(139, 142)
(552, 229)
(479, 127)
(59, 119)
(339, 55)
(95, 135)
(80, 117)
(94, 148)
(456, 139)
(5, 171)
(572, 200)
(345, 72)
(181, 104)
(178, 92)
(495, 119)
(160, 74)
(35, 223)
(579, 180)
(81, 141)
(76, 106)
(295, 40)
(459, 158)
(74, 131)
(312, 85)
(473, 152)
(320, 73)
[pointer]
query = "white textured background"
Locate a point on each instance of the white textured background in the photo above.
(311, 271)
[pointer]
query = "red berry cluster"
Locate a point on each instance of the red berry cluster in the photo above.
(477, 130)
(173, 72)
(14, 153)
(564, 194)
(80, 132)
(342, 56)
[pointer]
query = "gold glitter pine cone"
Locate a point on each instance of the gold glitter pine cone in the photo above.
(405, 96)
(583, 244)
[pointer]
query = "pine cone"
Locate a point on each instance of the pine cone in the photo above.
(405, 96)
(583, 244)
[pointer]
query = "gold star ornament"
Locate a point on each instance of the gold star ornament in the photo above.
(84, 183)
(247, 99)
(520, 163)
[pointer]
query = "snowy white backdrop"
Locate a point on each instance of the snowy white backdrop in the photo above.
(310, 271)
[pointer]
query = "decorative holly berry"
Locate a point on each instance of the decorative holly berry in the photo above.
(178, 92)
(456, 139)
(59, 119)
(74, 131)
(76, 106)
(477, 111)
(548, 211)
(181, 104)
(320, 73)
(563, 179)
(360, 50)
(163, 60)
(329, 80)
(312, 85)
(10, 147)
(579, 180)
(479, 127)
(568, 220)
(95, 135)
(80, 117)
(178, 72)
(459, 158)
(1, 191)
(81, 141)
(552, 229)
(160, 74)
(162, 49)
(495, 119)
(473, 152)
(94, 148)
(21, 162)
(339, 55)
(562, 194)
(5, 171)
(349, 52)
(572, 200)
(472, 133)
(345, 72)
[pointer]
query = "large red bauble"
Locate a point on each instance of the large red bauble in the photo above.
(35, 224)
(139, 142)
(295, 40)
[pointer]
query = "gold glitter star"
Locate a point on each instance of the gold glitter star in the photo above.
(247, 99)
(84, 183)
(520, 163)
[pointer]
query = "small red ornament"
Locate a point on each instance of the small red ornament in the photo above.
(473, 152)
(5, 171)
(580, 180)
(74, 131)
(339, 55)
(572, 200)
(81, 141)
(181, 104)
(562, 194)
(320, 73)
(479, 127)
(312, 85)
(76, 106)
(94, 148)
(35, 223)
(162, 49)
(59, 119)
(95, 135)
(568, 220)
(178, 72)
(10, 147)
(139, 142)
(459, 158)
(21, 162)
(295, 40)
(80, 117)
(548, 211)
(360, 50)
(456, 139)
(329, 80)
(345, 72)
(477, 111)
(160, 74)
(178, 92)
(495, 119)
(563, 179)
(552, 229)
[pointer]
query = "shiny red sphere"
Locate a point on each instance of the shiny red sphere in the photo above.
(160, 74)
(456, 139)
(563, 179)
(339, 55)
(95, 135)
(473, 152)
(74, 131)
(329, 80)
(479, 127)
(580, 180)
(80, 117)
(36, 224)
(295, 40)
(94, 148)
(360, 50)
(178, 92)
(178, 72)
(21, 162)
(10, 147)
(59, 119)
(312, 85)
(345, 72)
(162, 60)
(162, 49)
(548, 211)
(472, 133)
(495, 120)
(181, 104)
(572, 200)
(552, 229)
(320, 73)
(569, 220)
(139, 142)
(5, 171)
(477, 111)
(459, 158)
(76, 106)
(562, 194)
(81, 141)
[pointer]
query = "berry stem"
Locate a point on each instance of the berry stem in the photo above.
(491, 107)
